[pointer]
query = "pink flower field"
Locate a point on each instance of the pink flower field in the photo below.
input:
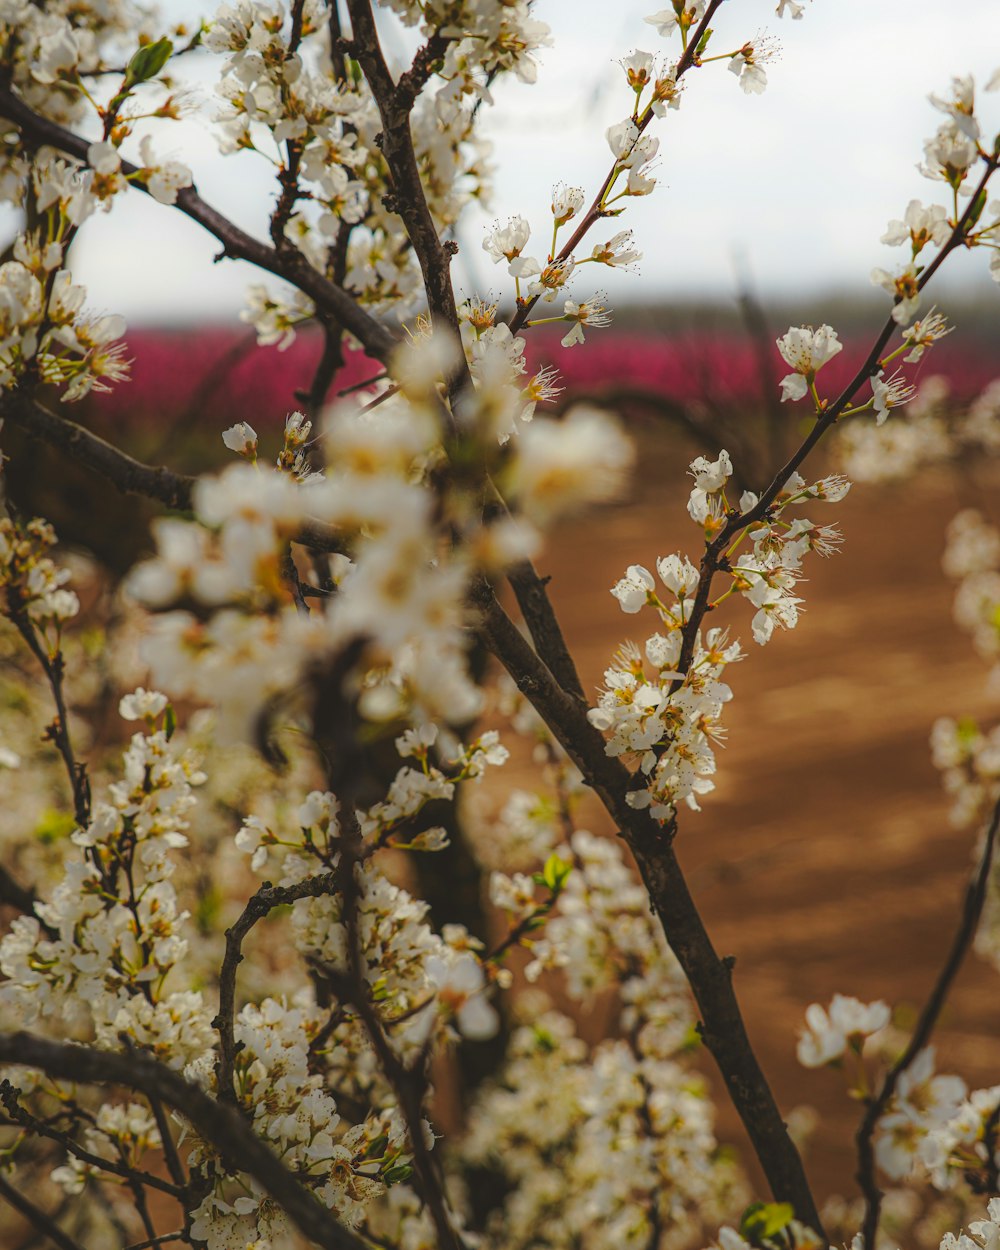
(213, 377)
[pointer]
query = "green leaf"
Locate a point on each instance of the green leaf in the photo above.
(555, 872)
(400, 1172)
(544, 1039)
(762, 1220)
(977, 210)
(169, 721)
(147, 62)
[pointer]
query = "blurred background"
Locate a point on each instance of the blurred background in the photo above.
(825, 862)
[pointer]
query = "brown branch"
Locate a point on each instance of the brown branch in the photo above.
(9, 1097)
(595, 212)
(259, 905)
(407, 197)
(162, 1240)
(972, 910)
(543, 625)
(46, 1226)
(237, 244)
(710, 977)
(130, 476)
(408, 1083)
(53, 666)
(330, 362)
(737, 522)
(170, 1155)
(425, 63)
(223, 1126)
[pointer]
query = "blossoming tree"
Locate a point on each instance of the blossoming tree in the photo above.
(233, 1003)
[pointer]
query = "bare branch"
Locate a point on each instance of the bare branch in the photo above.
(408, 198)
(223, 1126)
(132, 477)
(972, 910)
(543, 625)
(129, 475)
(236, 243)
(710, 976)
(264, 901)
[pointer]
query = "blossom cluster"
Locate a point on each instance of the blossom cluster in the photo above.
(668, 718)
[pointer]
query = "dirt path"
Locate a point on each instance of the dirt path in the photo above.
(824, 861)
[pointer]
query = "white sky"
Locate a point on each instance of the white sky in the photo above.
(797, 184)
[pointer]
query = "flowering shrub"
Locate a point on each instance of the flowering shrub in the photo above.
(234, 1000)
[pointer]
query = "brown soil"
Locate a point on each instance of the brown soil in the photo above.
(824, 861)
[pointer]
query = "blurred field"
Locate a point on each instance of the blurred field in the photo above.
(824, 861)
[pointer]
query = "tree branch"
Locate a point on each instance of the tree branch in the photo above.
(224, 1127)
(264, 901)
(130, 476)
(408, 198)
(36, 1216)
(595, 212)
(288, 263)
(9, 1097)
(972, 910)
(737, 522)
(710, 977)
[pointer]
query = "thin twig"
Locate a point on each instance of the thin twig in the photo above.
(170, 1155)
(9, 1096)
(595, 212)
(737, 521)
(215, 1122)
(259, 905)
(972, 910)
(57, 732)
(288, 264)
(162, 1240)
(36, 1216)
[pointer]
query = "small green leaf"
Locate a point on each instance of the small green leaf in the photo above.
(544, 1039)
(169, 721)
(147, 62)
(967, 727)
(762, 1220)
(977, 210)
(400, 1172)
(555, 872)
(703, 42)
